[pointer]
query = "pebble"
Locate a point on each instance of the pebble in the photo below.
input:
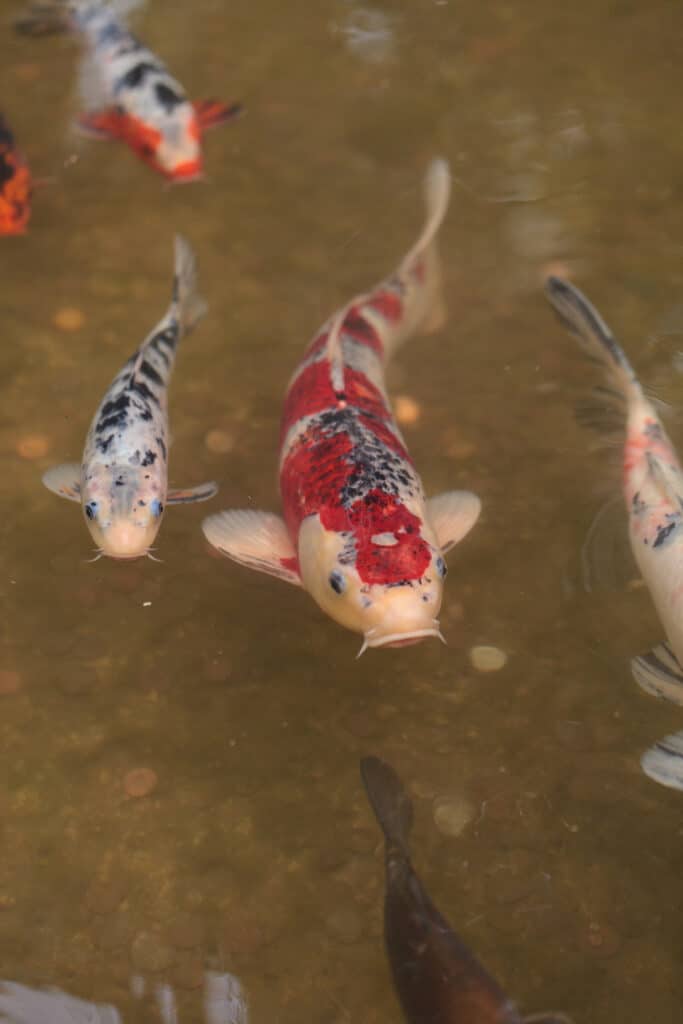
(406, 410)
(10, 682)
(487, 659)
(140, 782)
(601, 940)
(68, 318)
(345, 925)
(242, 933)
(186, 932)
(104, 897)
(33, 446)
(149, 953)
(452, 814)
(220, 442)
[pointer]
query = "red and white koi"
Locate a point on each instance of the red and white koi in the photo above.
(122, 481)
(653, 489)
(358, 532)
(128, 92)
(15, 185)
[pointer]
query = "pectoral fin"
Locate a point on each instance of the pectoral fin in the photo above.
(99, 124)
(664, 761)
(256, 539)
(667, 480)
(211, 113)
(64, 480)
(452, 515)
(185, 496)
(659, 673)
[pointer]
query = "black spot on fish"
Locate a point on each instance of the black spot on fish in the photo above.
(145, 414)
(135, 458)
(663, 532)
(653, 430)
(6, 169)
(168, 99)
(102, 445)
(141, 389)
(147, 370)
(117, 420)
(160, 442)
(136, 75)
(150, 458)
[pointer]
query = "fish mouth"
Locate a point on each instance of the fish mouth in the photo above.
(405, 639)
(183, 174)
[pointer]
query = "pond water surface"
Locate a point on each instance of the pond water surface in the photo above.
(256, 852)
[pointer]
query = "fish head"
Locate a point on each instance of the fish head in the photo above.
(374, 591)
(123, 507)
(179, 155)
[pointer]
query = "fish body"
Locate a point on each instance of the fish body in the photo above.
(122, 481)
(652, 480)
(358, 531)
(131, 96)
(436, 976)
(15, 185)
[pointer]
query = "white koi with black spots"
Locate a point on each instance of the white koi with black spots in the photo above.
(122, 482)
(653, 489)
(128, 92)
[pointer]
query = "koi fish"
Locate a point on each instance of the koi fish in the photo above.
(128, 92)
(436, 976)
(653, 490)
(358, 532)
(122, 482)
(15, 185)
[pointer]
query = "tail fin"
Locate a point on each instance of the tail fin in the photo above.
(593, 334)
(188, 305)
(49, 17)
(424, 254)
(390, 802)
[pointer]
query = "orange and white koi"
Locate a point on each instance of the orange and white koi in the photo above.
(15, 185)
(122, 481)
(128, 92)
(358, 532)
(653, 489)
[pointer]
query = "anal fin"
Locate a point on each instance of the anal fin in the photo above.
(452, 515)
(64, 480)
(187, 495)
(212, 113)
(659, 673)
(663, 762)
(258, 540)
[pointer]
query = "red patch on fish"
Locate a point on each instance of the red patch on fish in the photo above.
(312, 392)
(388, 304)
(15, 187)
(313, 475)
(381, 513)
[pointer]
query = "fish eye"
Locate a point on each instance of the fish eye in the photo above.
(441, 567)
(155, 507)
(337, 582)
(91, 510)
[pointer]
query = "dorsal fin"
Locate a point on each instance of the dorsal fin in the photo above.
(333, 349)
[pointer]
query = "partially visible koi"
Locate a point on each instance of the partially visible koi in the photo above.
(436, 976)
(15, 185)
(128, 92)
(653, 489)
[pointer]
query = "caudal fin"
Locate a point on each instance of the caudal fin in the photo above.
(423, 258)
(389, 800)
(188, 305)
(585, 323)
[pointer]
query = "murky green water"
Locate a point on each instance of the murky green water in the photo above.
(256, 853)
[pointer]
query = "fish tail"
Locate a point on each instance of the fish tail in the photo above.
(585, 323)
(390, 802)
(423, 259)
(188, 307)
(48, 17)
